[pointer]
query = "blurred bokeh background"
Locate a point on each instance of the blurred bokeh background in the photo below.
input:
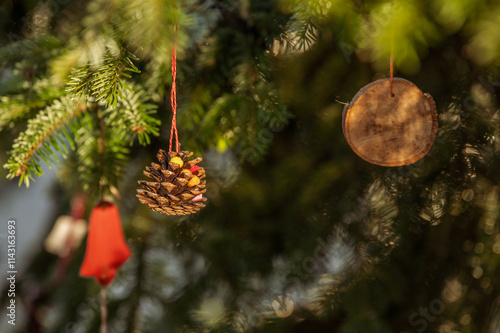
(299, 234)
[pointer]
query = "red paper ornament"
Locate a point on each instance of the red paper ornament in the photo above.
(106, 247)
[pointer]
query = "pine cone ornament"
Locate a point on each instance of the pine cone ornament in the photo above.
(177, 185)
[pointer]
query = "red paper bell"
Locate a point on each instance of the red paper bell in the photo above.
(106, 247)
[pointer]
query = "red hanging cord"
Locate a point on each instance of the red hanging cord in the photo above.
(173, 92)
(392, 48)
(392, 68)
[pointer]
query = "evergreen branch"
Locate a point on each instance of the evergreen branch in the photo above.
(18, 50)
(250, 129)
(305, 25)
(41, 47)
(133, 117)
(80, 81)
(244, 119)
(306, 35)
(104, 82)
(40, 94)
(47, 135)
(15, 107)
(102, 157)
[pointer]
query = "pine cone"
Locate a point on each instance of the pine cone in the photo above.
(177, 187)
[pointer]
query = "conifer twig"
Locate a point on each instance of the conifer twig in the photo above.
(47, 134)
(104, 82)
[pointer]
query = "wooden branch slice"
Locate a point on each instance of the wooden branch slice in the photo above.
(390, 130)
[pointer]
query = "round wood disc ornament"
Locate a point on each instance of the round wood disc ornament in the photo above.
(390, 130)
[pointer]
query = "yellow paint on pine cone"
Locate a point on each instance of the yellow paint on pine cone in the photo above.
(178, 161)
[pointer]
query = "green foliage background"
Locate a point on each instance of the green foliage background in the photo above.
(292, 211)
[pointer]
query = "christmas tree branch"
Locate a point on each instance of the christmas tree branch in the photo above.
(104, 82)
(105, 134)
(102, 155)
(29, 50)
(80, 81)
(305, 25)
(133, 117)
(306, 35)
(260, 111)
(39, 94)
(46, 135)
(15, 107)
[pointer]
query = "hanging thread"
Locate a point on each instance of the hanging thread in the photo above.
(104, 311)
(173, 92)
(392, 48)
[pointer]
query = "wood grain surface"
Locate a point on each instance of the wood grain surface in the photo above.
(390, 130)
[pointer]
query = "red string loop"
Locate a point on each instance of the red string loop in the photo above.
(392, 68)
(173, 91)
(392, 47)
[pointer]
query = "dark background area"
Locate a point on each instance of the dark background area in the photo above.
(292, 213)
